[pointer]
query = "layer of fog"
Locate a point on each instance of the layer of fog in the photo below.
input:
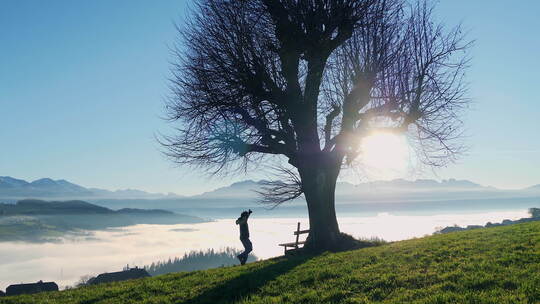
(111, 250)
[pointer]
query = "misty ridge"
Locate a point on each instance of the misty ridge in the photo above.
(12, 189)
(398, 196)
(37, 220)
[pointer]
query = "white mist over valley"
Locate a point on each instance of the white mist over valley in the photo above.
(110, 250)
(137, 228)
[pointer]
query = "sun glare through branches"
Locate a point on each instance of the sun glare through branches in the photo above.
(385, 156)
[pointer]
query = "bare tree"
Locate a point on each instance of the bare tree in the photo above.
(306, 80)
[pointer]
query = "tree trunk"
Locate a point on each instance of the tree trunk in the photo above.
(319, 185)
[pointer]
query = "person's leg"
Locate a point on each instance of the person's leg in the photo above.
(248, 247)
(241, 255)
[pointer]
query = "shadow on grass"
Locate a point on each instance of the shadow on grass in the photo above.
(248, 283)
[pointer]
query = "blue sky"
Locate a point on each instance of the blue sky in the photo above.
(83, 83)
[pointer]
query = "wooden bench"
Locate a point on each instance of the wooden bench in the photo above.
(294, 245)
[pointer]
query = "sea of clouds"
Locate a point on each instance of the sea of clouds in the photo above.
(106, 251)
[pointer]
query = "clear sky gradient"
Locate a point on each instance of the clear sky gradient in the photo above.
(83, 83)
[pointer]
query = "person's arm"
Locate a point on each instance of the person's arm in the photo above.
(249, 213)
(241, 220)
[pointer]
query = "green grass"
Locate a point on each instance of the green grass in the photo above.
(492, 265)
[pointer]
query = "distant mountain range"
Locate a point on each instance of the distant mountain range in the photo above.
(48, 188)
(395, 190)
(245, 190)
(244, 187)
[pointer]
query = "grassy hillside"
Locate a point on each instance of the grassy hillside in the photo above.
(492, 265)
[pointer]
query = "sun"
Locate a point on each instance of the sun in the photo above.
(385, 156)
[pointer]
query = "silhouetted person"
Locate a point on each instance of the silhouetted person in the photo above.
(244, 236)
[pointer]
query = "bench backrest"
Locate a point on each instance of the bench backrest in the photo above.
(298, 232)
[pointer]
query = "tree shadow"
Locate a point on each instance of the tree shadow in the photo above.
(242, 286)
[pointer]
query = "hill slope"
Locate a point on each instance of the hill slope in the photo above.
(492, 265)
(46, 221)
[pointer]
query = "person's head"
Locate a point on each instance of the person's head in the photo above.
(243, 214)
